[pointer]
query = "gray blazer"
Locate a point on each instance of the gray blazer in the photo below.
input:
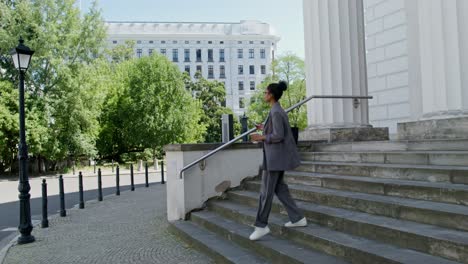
(280, 150)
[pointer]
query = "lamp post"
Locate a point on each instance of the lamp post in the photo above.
(21, 56)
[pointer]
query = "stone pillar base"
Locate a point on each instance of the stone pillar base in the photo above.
(442, 128)
(345, 134)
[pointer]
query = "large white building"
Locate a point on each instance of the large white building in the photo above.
(237, 54)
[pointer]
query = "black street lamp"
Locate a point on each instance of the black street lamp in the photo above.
(21, 56)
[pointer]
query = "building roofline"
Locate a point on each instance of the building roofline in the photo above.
(176, 22)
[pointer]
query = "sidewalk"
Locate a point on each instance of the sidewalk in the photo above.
(131, 228)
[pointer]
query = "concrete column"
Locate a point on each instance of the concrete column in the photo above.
(335, 62)
(438, 58)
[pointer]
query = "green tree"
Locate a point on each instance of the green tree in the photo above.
(8, 124)
(58, 102)
(290, 68)
(122, 52)
(147, 108)
(212, 95)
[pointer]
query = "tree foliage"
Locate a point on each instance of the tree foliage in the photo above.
(211, 95)
(148, 108)
(290, 68)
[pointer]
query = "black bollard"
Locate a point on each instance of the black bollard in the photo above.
(146, 175)
(162, 172)
(117, 181)
(63, 212)
(131, 178)
(99, 185)
(80, 185)
(45, 221)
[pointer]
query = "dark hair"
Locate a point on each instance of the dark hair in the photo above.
(277, 89)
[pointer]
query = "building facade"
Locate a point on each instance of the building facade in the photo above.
(236, 54)
(409, 55)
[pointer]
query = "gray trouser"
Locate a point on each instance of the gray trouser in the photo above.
(273, 183)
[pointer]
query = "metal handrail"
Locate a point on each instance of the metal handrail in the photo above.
(227, 144)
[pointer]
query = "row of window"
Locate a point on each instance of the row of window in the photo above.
(186, 42)
(241, 85)
(222, 70)
(198, 52)
(242, 102)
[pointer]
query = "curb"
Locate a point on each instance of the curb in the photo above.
(14, 237)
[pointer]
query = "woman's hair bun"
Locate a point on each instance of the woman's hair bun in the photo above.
(282, 85)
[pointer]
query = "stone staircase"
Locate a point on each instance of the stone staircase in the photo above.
(366, 202)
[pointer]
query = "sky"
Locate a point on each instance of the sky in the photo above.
(284, 15)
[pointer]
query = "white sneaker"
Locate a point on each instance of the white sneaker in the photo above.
(300, 223)
(259, 233)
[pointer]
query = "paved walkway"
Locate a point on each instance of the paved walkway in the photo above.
(131, 228)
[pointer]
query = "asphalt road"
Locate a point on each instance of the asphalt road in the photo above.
(9, 212)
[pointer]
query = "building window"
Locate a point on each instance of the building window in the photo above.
(174, 42)
(239, 42)
(187, 69)
(198, 55)
(241, 85)
(251, 42)
(187, 55)
(199, 68)
(150, 52)
(263, 69)
(221, 42)
(221, 55)
(252, 85)
(240, 53)
(252, 100)
(198, 42)
(210, 42)
(151, 42)
(252, 69)
(251, 53)
(262, 54)
(114, 41)
(262, 42)
(163, 52)
(163, 42)
(241, 102)
(139, 52)
(138, 41)
(240, 69)
(210, 55)
(175, 55)
(210, 72)
(187, 42)
(222, 72)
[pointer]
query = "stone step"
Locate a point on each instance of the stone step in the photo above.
(429, 173)
(218, 248)
(443, 158)
(400, 145)
(352, 248)
(434, 240)
(437, 192)
(275, 249)
(433, 213)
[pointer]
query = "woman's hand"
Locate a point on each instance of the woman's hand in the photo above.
(259, 127)
(256, 137)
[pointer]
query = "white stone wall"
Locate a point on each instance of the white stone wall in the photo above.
(387, 62)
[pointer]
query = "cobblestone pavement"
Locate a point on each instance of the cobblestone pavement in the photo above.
(131, 228)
